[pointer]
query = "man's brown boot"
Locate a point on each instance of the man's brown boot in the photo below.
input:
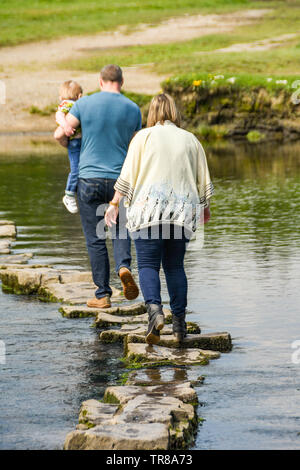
(104, 302)
(131, 290)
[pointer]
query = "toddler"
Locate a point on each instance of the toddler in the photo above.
(70, 92)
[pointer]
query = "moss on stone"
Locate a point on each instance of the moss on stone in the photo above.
(88, 424)
(255, 136)
(192, 328)
(110, 398)
(108, 337)
(76, 314)
(138, 361)
(45, 296)
(122, 380)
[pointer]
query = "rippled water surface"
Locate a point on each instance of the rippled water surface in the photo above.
(244, 280)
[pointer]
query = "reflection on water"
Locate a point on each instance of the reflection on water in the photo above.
(245, 280)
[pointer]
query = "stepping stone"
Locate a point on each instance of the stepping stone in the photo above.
(71, 287)
(75, 293)
(104, 319)
(193, 328)
(212, 341)
(22, 266)
(22, 281)
(15, 259)
(141, 418)
(144, 355)
(7, 231)
(114, 336)
(7, 222)
(122, 394)
(166, 376)
(81, 311)
(52, 285)
(5, 247)
(121, 437)
(94, 412)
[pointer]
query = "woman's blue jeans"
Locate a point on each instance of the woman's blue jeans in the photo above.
(168, 251)
(93, 194)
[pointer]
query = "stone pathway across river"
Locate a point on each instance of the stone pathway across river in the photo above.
(151, 410)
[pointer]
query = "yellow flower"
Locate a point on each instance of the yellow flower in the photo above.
(197, 82)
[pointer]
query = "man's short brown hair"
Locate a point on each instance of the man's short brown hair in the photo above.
(112, 73)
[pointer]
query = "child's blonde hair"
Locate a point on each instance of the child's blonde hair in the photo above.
(163, 108)
(70, 90)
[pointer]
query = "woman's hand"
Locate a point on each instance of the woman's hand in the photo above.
(111, 215)
(206, 214)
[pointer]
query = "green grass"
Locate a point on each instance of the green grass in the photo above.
(22, 21)
(46, 111)
(241, 80)
(255, 136)
(196, 56)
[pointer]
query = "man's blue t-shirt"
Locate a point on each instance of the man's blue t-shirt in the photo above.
(108, 122)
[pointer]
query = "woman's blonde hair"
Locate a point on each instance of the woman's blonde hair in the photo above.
(70, 90)
(163, 108)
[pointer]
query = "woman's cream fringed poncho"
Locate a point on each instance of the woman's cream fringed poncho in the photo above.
(165, 178)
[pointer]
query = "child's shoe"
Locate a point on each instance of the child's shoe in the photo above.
(70, 203)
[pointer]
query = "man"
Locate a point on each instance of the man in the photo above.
(108, 121)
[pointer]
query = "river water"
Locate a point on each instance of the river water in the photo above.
(245, 280)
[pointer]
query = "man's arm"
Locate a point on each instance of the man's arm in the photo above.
(61, 120)
(72, 120)
(60, 135)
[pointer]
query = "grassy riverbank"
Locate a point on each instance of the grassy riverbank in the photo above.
(223, 106)
(22, 21)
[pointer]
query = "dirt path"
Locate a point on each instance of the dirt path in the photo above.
(261, 45)
(31, 78)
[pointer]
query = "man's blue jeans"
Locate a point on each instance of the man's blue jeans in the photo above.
(74, 147)
(151, 253)
(92, 193)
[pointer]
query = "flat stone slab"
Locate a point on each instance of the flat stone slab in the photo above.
(7, 231)
(141, 418)
(144, 355)
(5, 247)
(104, 319)
(114, 336)
(73, 287)
(15, 259)
(73, 293)
(172, 375)
(122, 394)
(121, 310)
(7, 222)
(94, 412)
(212, 341)
(121, 437)
(23, 281)
(23, 266)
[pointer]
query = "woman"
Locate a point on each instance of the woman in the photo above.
(166, 182)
